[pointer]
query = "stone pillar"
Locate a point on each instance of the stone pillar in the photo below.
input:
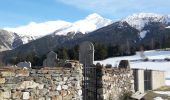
(86, 54)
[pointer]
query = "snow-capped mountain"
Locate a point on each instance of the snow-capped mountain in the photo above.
(32, 31)
(89, 24)
(153, 30)
(137, 27)
(6, 40)
(24, 34)
(39, 29)
(140, 20)
(11, 40)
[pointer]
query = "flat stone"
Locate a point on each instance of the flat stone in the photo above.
(47, 98)
(7, 73)
(11, 80)
(59, 87)
(16, 95)
(42, 98)
(57, 98)
(53, 93)
(65, 79)
(68, 97)
(40, 86)
(65, 87)
(79, 92)
(26, 95)
(5, 95)
(44, 92)
(48, 76)
(55, 75)
(33, 71)
(22, 73)
(2, 80)
(30, 84)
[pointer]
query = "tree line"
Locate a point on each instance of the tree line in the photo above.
(102, 51)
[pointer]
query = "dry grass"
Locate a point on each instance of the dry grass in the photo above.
(150, 94)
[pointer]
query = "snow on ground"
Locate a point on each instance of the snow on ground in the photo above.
(143, 34)
(158, 98)
(168, 27)
(163, 92)
(136, 62)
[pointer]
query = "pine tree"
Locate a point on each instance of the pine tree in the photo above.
(100, 52)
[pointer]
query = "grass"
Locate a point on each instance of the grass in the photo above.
(150, 94)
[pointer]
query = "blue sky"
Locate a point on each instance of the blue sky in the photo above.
(15, 13)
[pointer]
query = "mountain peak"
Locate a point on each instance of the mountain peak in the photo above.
(93, 16)
(146, 15)
(139, 20)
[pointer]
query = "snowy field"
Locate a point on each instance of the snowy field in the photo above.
(156, 61)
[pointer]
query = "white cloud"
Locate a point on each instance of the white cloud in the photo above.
(120, 8)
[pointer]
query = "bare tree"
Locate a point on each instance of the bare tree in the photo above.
(141, 53)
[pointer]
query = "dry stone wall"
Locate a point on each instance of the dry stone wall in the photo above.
(63, 83)
(113, 83)
(59, 83)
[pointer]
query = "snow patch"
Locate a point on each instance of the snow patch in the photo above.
(158, 98)
(167, 82)
(168, 27)
(163, 92)
(143, 34)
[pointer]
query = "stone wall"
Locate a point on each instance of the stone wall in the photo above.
(113, 83)
(63, 83)
(59, 83)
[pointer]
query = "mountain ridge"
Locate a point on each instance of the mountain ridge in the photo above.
(121, 33)
(92, 22)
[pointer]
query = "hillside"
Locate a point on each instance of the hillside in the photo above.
(10, 40)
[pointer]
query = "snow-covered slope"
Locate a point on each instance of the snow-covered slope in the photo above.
(39, 29)
(6, 40)
(139, 20)
(10, 40)
(156, 61)
(89, 24)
